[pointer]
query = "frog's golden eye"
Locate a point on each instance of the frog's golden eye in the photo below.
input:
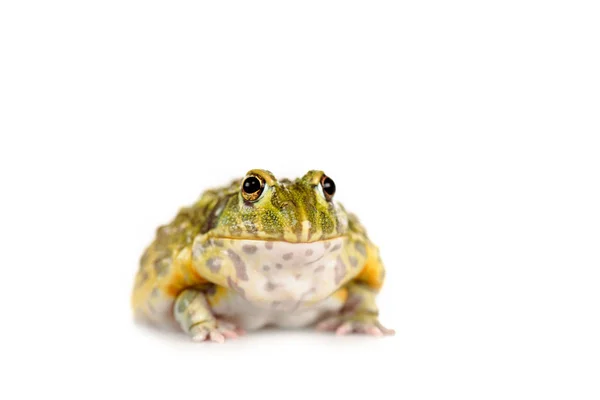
(328, 186)
(252, 187)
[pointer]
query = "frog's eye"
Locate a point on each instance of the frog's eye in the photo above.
(252, 187)
(328, 186)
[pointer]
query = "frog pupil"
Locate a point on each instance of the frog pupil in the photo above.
(328, 186)
(251, 185)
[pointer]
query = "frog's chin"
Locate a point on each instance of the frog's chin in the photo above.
(280, 273)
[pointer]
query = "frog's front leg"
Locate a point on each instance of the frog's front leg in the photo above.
(195, 317)
(358, 315)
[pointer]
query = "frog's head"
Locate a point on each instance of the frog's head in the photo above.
(261, 207)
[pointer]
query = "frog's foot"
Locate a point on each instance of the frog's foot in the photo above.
(355, 323)
(216, 331)
(193, 313)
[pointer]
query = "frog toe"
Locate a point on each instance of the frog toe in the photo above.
(208, 335)
(366, 328)
(345, 325)
(215, 331)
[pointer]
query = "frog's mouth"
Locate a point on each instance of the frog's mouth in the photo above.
(282, 274)
(251, 232)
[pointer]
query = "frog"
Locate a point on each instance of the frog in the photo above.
(262, 252)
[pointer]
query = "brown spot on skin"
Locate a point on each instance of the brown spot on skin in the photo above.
(353, 261)
(288, 256)
(278, 266)
(214, 264)
(212, 289)
(360, 247)
(340, 271)
(269, 246)
(336, 247)
(238, 263)
(266, 268)
(298, 276)
(161, 266)
(327, 244)
(143, 277)
(308, 253)
(249, 248)
(184, 300)
(320, 268)
(235, 287)
(269, 287)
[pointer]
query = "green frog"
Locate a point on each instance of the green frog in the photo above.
(262, 252)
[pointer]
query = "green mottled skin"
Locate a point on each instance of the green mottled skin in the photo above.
(278, 215)
(178, 268)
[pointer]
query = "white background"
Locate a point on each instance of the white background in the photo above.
(464, 134)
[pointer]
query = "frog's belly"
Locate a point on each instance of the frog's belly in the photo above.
(251, 316)
(288, 284)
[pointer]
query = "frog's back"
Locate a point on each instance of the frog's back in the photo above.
(165, 267)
